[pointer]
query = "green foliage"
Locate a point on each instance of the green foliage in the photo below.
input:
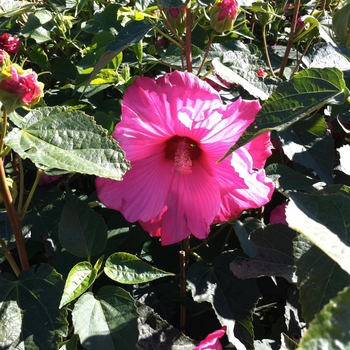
(274, 286)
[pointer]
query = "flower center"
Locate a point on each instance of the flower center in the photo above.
(182, 150)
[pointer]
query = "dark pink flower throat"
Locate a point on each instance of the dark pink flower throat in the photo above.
(182, 150)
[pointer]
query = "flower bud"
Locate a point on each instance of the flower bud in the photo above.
(9, 43)
(19, 87)
(177, 18)
(266, 16)
(223, 15)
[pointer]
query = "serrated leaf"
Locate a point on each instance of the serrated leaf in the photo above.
(29, 310)
(68, 140)
(129, 269)
(107, 321)
(331, 327)
(79, 279)
(324, 220)
(82, 231)
(130, 35)
(319, 277)
(232, 77)
(274, 255)
(289, 179)
(293, 100)
(232, 299)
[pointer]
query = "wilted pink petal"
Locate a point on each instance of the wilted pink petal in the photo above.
(278, 215)
(173, 136)
(212, 342)
(261, 72)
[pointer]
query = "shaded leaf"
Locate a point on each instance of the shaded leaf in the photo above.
(319, 277)
(79, 279)
(82, 231)
(289, 179)
(30, 316)
(311, 146)
(324, 219)
(152, 328)
(129, 269)
(331, 327)
(107, 321)
(56, 138)
(274, 255)
(232, 299)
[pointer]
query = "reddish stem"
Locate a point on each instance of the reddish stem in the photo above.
(291, 37)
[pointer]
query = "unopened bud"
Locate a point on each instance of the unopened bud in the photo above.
(223, 15)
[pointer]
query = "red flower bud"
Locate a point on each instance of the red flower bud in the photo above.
(9, 43)
(177, 18)
(223, 15)
(18, 87)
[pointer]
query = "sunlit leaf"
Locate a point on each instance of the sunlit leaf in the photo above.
(29, 310)
(79, 279)
(82, 231)
(107, 320)
(232, 299)
(274, 255)
(56, 138)
(129, 269)
(324, 220)
(331, 327)
(14, 8)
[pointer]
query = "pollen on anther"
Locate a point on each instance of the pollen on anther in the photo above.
(182, 159)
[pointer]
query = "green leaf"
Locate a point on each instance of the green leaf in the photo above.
(308, 91)
(340, 21)
(30, 317)
(129, 269)
(274, 255)
(79, 279)
(82, 231)
(107, 321)
(316, 154)
(289, 179)
(324, 220)
(14, 8)
(232, 77)
(319, 277)
(330, 328)
(130, 35)
(232, 299)
(56, 138)
(71, 344)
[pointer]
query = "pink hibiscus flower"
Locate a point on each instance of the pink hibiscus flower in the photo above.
(174, 130)
(212, 342)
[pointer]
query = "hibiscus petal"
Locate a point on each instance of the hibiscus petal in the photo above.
(259, 148)
(191, 206)
(142, 192)
(258, 191)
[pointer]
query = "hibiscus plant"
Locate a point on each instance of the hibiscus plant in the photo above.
(175, 175)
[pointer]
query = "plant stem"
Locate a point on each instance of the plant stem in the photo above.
(291, 37)
(206, 54)
(14, 219)
(9, 257)
(31, 193)
(266, 50)
(184, 258)
(21, 185)
(3, 130)
(188, 38)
